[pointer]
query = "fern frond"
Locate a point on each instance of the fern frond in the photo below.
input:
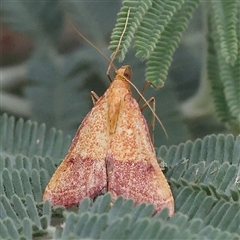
(232, 92)
(158, 29)
(154, 22)
(137, 11)
(4, 231)
(203, 176)
(220, 215)
(24, 218)
(55, 93)
(68, 79)
(225, 18)
(25, 181)
(27, 231)
(211, 164)
(9, 229)
(217, 87)
(135, 224)
(213, 212)
(160, 60)
(7, 211)
(210, 232)
(26, 164)
(222, 177)
(94, 227)
(228, 104)
(29, 139)
(207, 149)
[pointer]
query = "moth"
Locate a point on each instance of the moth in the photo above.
(112, 151)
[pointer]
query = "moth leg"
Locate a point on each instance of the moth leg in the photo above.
(94, 97)
(142, 91)
(108, 71)
(152, 125)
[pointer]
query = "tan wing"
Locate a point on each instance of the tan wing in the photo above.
(132, 166)
(83, 171)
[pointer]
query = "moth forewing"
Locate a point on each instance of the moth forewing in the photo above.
(82, 172)
(133, 168)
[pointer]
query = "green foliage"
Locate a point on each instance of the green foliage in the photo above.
(54, 88)
(28, 138)
(58, 85)
(225, 77)
(157, 27)
(203, 174)
(225, 18)
(160, 60)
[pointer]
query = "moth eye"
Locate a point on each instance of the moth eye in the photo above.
(128, 73)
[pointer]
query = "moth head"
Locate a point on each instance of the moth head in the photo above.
(125, 72)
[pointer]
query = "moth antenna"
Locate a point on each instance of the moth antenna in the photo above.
(112, 65)
(90, 43)
(142, 91)
(144, 99)
(119, 43)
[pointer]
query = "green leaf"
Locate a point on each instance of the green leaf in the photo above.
(11, 229)
(203, 175)
(29, 139)
(158, 26)
(137, 11)
(160, 60)
(225, 18)
(224, 77)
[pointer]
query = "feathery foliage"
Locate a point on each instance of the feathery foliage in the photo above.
(58, 85)
(204, 174)
(225, 77)
(157, 27)
(54, 80)
(28, 138)
(204, 177)
(225, 18)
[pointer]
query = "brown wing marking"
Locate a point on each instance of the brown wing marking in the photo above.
(82, 173)
(132, 169)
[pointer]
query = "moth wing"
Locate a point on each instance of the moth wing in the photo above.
(82, 173)
(133, 170)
